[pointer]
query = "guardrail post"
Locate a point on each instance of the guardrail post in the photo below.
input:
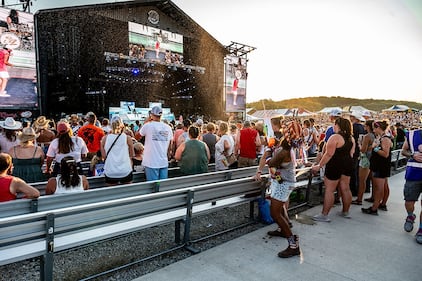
(188, 221)
(396, 164)
(177, 228)
(228, 176)
(156, 187)
(34, 206)
(308, 188)
(47, 258)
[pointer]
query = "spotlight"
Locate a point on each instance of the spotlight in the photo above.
(135, 71)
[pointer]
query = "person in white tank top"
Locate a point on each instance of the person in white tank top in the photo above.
(68, 181)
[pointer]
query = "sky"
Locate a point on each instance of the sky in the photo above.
(349, 48)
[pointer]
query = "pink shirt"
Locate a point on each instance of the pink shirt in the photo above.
(3, 54)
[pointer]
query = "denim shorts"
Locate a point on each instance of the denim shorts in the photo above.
(412, 190)
(153, 174)
(281, 191)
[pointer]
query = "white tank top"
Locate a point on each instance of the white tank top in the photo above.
(61, 189)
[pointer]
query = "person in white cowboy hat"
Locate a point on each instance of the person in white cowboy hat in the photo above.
(9, 138)
(27, 157)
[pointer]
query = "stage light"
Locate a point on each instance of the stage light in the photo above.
(135, 71)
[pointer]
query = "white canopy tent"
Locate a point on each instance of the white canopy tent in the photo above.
(327, 110)
(397, 108)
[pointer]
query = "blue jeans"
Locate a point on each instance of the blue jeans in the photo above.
(153, 174)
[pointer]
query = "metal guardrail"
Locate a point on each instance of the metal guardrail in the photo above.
(44, 203)
(99, 181)
(396, 157)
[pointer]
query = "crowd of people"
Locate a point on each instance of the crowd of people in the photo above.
(352, 152)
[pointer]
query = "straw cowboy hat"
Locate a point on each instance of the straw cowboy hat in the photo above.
(10, 124)
(28, 134)
(41, 122)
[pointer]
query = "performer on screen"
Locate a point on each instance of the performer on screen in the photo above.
(157, 46)
(238, 75)
(4, 74)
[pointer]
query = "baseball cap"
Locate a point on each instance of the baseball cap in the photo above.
(63, 127)
(335, 112)
(156, 110)
(199, 122)
(90, 115)
(366, 113)
(357, 115)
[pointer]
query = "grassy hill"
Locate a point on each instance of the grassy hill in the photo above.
(318, 103)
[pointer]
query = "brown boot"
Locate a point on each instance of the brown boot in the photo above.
(292, 250)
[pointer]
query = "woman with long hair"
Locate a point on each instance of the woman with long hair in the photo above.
(365, 156)
(337, 160)
(224, 147)
(68, 181)
(65, 144)
(281, 160)
(281, 163)
(117, 151)
(193, 155)
(380, 165)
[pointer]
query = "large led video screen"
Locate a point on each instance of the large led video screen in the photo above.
(235, 85)
(146, 42)
(17, 36)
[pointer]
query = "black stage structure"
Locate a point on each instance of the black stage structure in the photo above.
(85, 61)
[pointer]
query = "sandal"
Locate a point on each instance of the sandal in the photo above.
(356, 202)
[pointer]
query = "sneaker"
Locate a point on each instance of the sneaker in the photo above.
(369, 211)
(382, 207)
(344, 215)
(321, 217)
(276, 232)
(418, 236)
(408, 225)
(4, 95)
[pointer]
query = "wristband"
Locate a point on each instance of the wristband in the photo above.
(376, 149)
